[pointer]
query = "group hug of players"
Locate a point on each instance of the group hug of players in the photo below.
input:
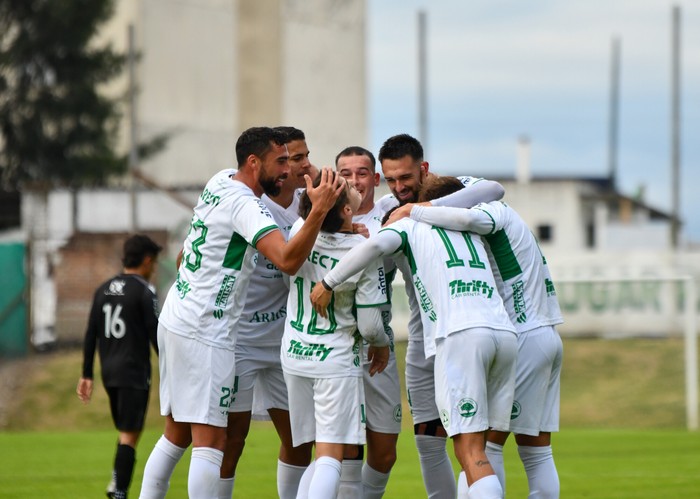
(282, 308)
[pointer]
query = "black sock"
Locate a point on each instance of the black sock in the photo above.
(124, 466)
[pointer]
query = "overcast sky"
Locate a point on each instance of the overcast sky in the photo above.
(498, 69)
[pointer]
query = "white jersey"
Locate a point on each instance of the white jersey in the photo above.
(521, 271)
(317, 347)
(219, 255)
(373, 221)
(262, 319)
(415, 324)
(452, 280)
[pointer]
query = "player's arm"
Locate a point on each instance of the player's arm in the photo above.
(149, 306)
(476, 219)
(479, 191)
(289, 256)
(381, 244)
(84, 388)
(371, 327)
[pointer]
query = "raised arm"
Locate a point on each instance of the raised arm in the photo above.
(472, 219)
(289, 256)
(480, 191)
(384, 243)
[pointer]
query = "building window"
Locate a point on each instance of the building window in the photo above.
(544, 233)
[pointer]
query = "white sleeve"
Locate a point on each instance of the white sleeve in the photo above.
(355, 260)
(471, 219)
(371, 326)
(480, 191)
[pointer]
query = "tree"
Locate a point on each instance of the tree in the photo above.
(56, 127)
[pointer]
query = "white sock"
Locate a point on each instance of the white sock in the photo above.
(326, 479)
(226, 487)
(486, 488)
(205, 467)
(462, 486)
(288, 477)
(159, 468)
(305, 482)
(436, 467)
(495, 454)
(542, 477)
(373, 482)
(350, 479)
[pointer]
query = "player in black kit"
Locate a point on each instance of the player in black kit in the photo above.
(123, 320)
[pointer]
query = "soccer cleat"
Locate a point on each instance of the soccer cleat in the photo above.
(111, 487)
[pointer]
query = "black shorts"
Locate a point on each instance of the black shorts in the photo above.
(128, 407)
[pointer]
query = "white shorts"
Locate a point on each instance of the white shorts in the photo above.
(196, 380)
(259, 378)
(475, 380)
(329, 410)
(383, 398)
(537, 376)
(420, 384)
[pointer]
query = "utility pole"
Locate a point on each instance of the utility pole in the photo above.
(614, 110)
(133, 132)
(675, 124)
(422, 82)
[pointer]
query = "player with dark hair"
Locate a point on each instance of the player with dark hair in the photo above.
(123, 323)
(525, 283)
(259, 384)
(405, 170)
(321, 358)
(465, 328)
(199, 322)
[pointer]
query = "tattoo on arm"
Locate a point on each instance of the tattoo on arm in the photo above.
(482, 462)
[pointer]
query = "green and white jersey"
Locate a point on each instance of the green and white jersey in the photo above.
(373, 221)
(262, 320)
(386, 203)
(520, 268)
(452, 280)
(219, 255)
(318, 347)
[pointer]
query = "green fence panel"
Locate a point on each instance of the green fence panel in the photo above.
(13, 305)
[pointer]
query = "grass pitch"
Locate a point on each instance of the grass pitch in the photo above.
(622, 414)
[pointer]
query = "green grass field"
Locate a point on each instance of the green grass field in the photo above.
(622, 433)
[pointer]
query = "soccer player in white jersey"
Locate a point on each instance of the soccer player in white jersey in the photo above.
(259, 374)
(198, 323)
(525, 283)
(382, 391)
(405, 170)
(466, 328)
(321, 357)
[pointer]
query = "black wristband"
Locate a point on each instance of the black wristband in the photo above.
(325, 285)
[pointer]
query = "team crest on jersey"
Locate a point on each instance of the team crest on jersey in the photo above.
(397, 413)
(116, 288)
(515, 410)
(467, 407)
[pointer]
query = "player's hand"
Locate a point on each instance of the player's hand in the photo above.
(379, 358)
(84, 390)
(320, 298)
(325, 195)
(360, 229)
(399, 213)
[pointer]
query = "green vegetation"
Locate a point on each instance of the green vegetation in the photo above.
(623, 436)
